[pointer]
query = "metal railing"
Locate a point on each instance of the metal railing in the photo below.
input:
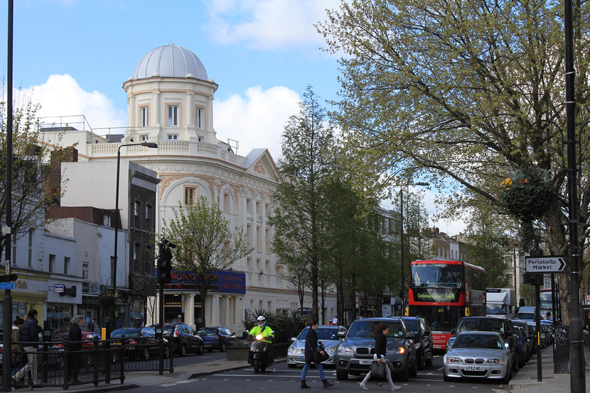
(56, 363)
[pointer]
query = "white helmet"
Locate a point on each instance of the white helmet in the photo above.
(261, 319)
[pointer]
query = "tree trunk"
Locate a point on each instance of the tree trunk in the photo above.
(558, 245)
(203, 291)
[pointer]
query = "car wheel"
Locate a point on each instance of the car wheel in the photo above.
(222, 346)
(421, 362)
(514, 362)
(428, 362)
(413, 371)
(292, 365)
(200, 349)
(446, 379)
(341, 376)
(182, 351)
(406, 375)
(508, 376)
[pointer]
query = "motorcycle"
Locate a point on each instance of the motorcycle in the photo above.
(258, 353)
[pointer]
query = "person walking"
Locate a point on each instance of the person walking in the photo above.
(75, 346)
(381, 331)
(29, 335)
(311, 344)
(17, 349)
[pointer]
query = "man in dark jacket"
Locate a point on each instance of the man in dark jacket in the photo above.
(75, 345)
(311, 344)
(29, 335)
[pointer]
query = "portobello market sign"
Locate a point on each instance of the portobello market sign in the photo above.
(227, 282)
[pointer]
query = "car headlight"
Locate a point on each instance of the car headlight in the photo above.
(291, 351)
(400, 350)
(331, 350)
(345, 350)
(451, 359)
(495, 361)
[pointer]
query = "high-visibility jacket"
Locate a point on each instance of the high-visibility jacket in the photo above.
(265, 330)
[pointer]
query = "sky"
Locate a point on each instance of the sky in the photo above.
(73, 56)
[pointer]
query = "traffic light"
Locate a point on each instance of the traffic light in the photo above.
(9, 278)
(165, 264)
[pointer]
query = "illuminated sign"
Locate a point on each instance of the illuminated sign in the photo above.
(436, 295)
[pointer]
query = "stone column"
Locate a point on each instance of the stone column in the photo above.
(189, 309)
(213, 310)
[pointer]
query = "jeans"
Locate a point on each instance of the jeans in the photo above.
(318, 366)
(31, 365)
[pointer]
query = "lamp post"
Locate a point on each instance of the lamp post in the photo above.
(401, 210)
(114, 270)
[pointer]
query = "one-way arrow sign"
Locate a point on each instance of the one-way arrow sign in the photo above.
(549, 264)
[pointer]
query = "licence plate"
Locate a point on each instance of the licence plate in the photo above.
(474, 368)
(365, 361)
(206, 345)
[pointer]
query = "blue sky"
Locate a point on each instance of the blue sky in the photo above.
(72, 56)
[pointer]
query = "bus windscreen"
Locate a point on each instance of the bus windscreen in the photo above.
(434, 275)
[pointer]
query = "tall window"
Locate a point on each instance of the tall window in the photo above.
(172, 115)
(145, 116)
(136, 210)
(51, 262)
(226, 203)
(30, 250)
(190, 195)
(85, 271)
(199, 117)
(66, 265)
(249, 234)
(148, 217)
(136, 247)
(258, 239)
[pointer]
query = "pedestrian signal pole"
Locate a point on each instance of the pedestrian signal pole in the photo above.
(164, 277)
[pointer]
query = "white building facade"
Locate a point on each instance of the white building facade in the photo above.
(170, 102)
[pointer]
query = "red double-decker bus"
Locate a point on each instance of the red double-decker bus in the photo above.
(443, 292)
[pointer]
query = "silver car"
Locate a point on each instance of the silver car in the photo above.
(327, 334)
(478, 355)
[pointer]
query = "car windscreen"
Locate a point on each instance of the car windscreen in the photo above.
(367, 329)
(168, 329)
(437, 275)
(323, 334)
(126, 333)
(207, 332)
(526, 316)
(412, 325)
(482, 325)
(495, 309)
(477, 341)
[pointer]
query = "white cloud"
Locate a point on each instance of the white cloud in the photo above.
(61, 95)
(268, 24)
(257, 119)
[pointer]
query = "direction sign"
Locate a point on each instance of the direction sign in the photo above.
(59, 288)
(548, 264)
(7, 285)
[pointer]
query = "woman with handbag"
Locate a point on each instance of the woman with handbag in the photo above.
(314, 349)
(381, 331)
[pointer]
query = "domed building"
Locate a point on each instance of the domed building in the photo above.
(170, 102)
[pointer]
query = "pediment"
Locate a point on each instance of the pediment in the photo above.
(259, 162)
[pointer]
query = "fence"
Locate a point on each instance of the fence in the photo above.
(55, 363)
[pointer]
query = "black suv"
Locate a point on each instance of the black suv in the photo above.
(503, 326)
(424, 349)
(184, 337)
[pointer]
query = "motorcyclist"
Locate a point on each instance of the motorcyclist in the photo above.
(267, 336)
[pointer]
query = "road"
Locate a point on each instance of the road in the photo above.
(286, 379)
(193, 358)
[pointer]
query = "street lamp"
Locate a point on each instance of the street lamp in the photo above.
(401, 210)
(114, 269)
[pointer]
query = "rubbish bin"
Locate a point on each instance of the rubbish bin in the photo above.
(561, 350)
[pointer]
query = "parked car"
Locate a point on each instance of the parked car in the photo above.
(327, 334)
(503, 326)
(478, 354)
(549, 325)
(216, 337)
(530, 333)
(183, 337)
(523, 346)
(354, 354)
(140, 343)
(424, 345)
(88, 344)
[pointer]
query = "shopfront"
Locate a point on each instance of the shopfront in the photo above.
(30, 292)
(64, 301)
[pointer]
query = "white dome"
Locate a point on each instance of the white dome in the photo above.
(170, 61)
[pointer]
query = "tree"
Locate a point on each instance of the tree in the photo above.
(304, 168)
(205, 244)
(464, 92)
(29, 173)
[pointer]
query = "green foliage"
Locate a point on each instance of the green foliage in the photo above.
(205, 243)
(285, 326)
